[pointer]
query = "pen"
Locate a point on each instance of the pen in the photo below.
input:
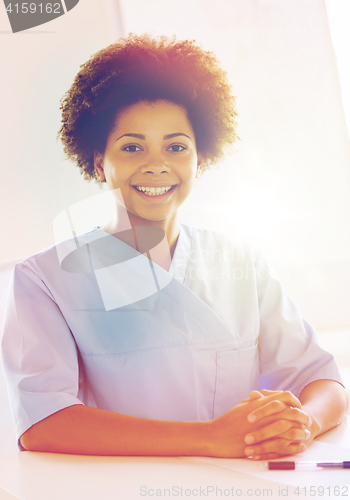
(306, 465)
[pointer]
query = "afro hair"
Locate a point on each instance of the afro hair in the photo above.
(141, 68)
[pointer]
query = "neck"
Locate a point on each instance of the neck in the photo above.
(129, 228)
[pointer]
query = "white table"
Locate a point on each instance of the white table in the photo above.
(48, 476)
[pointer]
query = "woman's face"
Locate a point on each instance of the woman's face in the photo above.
(151, 157)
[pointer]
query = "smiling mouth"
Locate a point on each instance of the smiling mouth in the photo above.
(154, 191)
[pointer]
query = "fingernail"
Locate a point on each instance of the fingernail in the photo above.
(249, 451)
(308, 433)
(251, 418)
(249, 439)
(303, 447)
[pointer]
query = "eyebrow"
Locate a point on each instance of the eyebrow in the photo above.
(143, 137)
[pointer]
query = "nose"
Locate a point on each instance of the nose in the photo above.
(155, 166)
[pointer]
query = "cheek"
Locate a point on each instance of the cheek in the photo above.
(188, 184)
(114, 174)
(192, 173)
(188, 169)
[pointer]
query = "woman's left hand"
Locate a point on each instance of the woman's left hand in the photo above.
(283, 428)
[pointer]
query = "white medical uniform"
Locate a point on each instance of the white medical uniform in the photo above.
(188, 349)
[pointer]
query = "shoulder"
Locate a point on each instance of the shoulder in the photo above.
(50, 261)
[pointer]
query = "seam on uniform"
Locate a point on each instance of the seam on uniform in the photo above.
(208, 343)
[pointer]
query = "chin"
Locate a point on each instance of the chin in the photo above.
(154, 219)
(150, 217)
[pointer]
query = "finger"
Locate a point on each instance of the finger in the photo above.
(271, 414)
(283, 396)
(255, 395)
(267, 409)
(267, 392)
(266, 456)
(296, 434)
(286, 397)
(252, 396)
(296, 415)
(276, 406)
(280, 447)
(260, 394)
(270, 431)
(269, 456)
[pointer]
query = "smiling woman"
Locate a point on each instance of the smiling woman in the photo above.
(150, 337)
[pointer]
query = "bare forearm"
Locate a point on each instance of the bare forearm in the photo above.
(326, 402)
(86, 430)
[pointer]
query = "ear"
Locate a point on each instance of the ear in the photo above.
(200, 163)
(98, 164)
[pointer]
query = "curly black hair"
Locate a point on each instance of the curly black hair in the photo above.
(141, 68)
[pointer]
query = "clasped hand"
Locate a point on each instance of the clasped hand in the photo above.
(283, 428)
(267, 425)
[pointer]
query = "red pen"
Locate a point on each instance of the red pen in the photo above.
(289, 465)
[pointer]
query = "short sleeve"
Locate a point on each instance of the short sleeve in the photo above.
(39, 354)
(290, 354)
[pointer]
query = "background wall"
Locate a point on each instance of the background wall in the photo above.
(286, 186)
(38, 67)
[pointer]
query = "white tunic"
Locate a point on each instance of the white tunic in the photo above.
(189, 347)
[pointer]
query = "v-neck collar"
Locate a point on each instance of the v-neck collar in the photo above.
(182, 253)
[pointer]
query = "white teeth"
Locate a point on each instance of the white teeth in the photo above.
(152, 191)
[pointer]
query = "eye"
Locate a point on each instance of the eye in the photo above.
(131, 148)
(176, 148)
